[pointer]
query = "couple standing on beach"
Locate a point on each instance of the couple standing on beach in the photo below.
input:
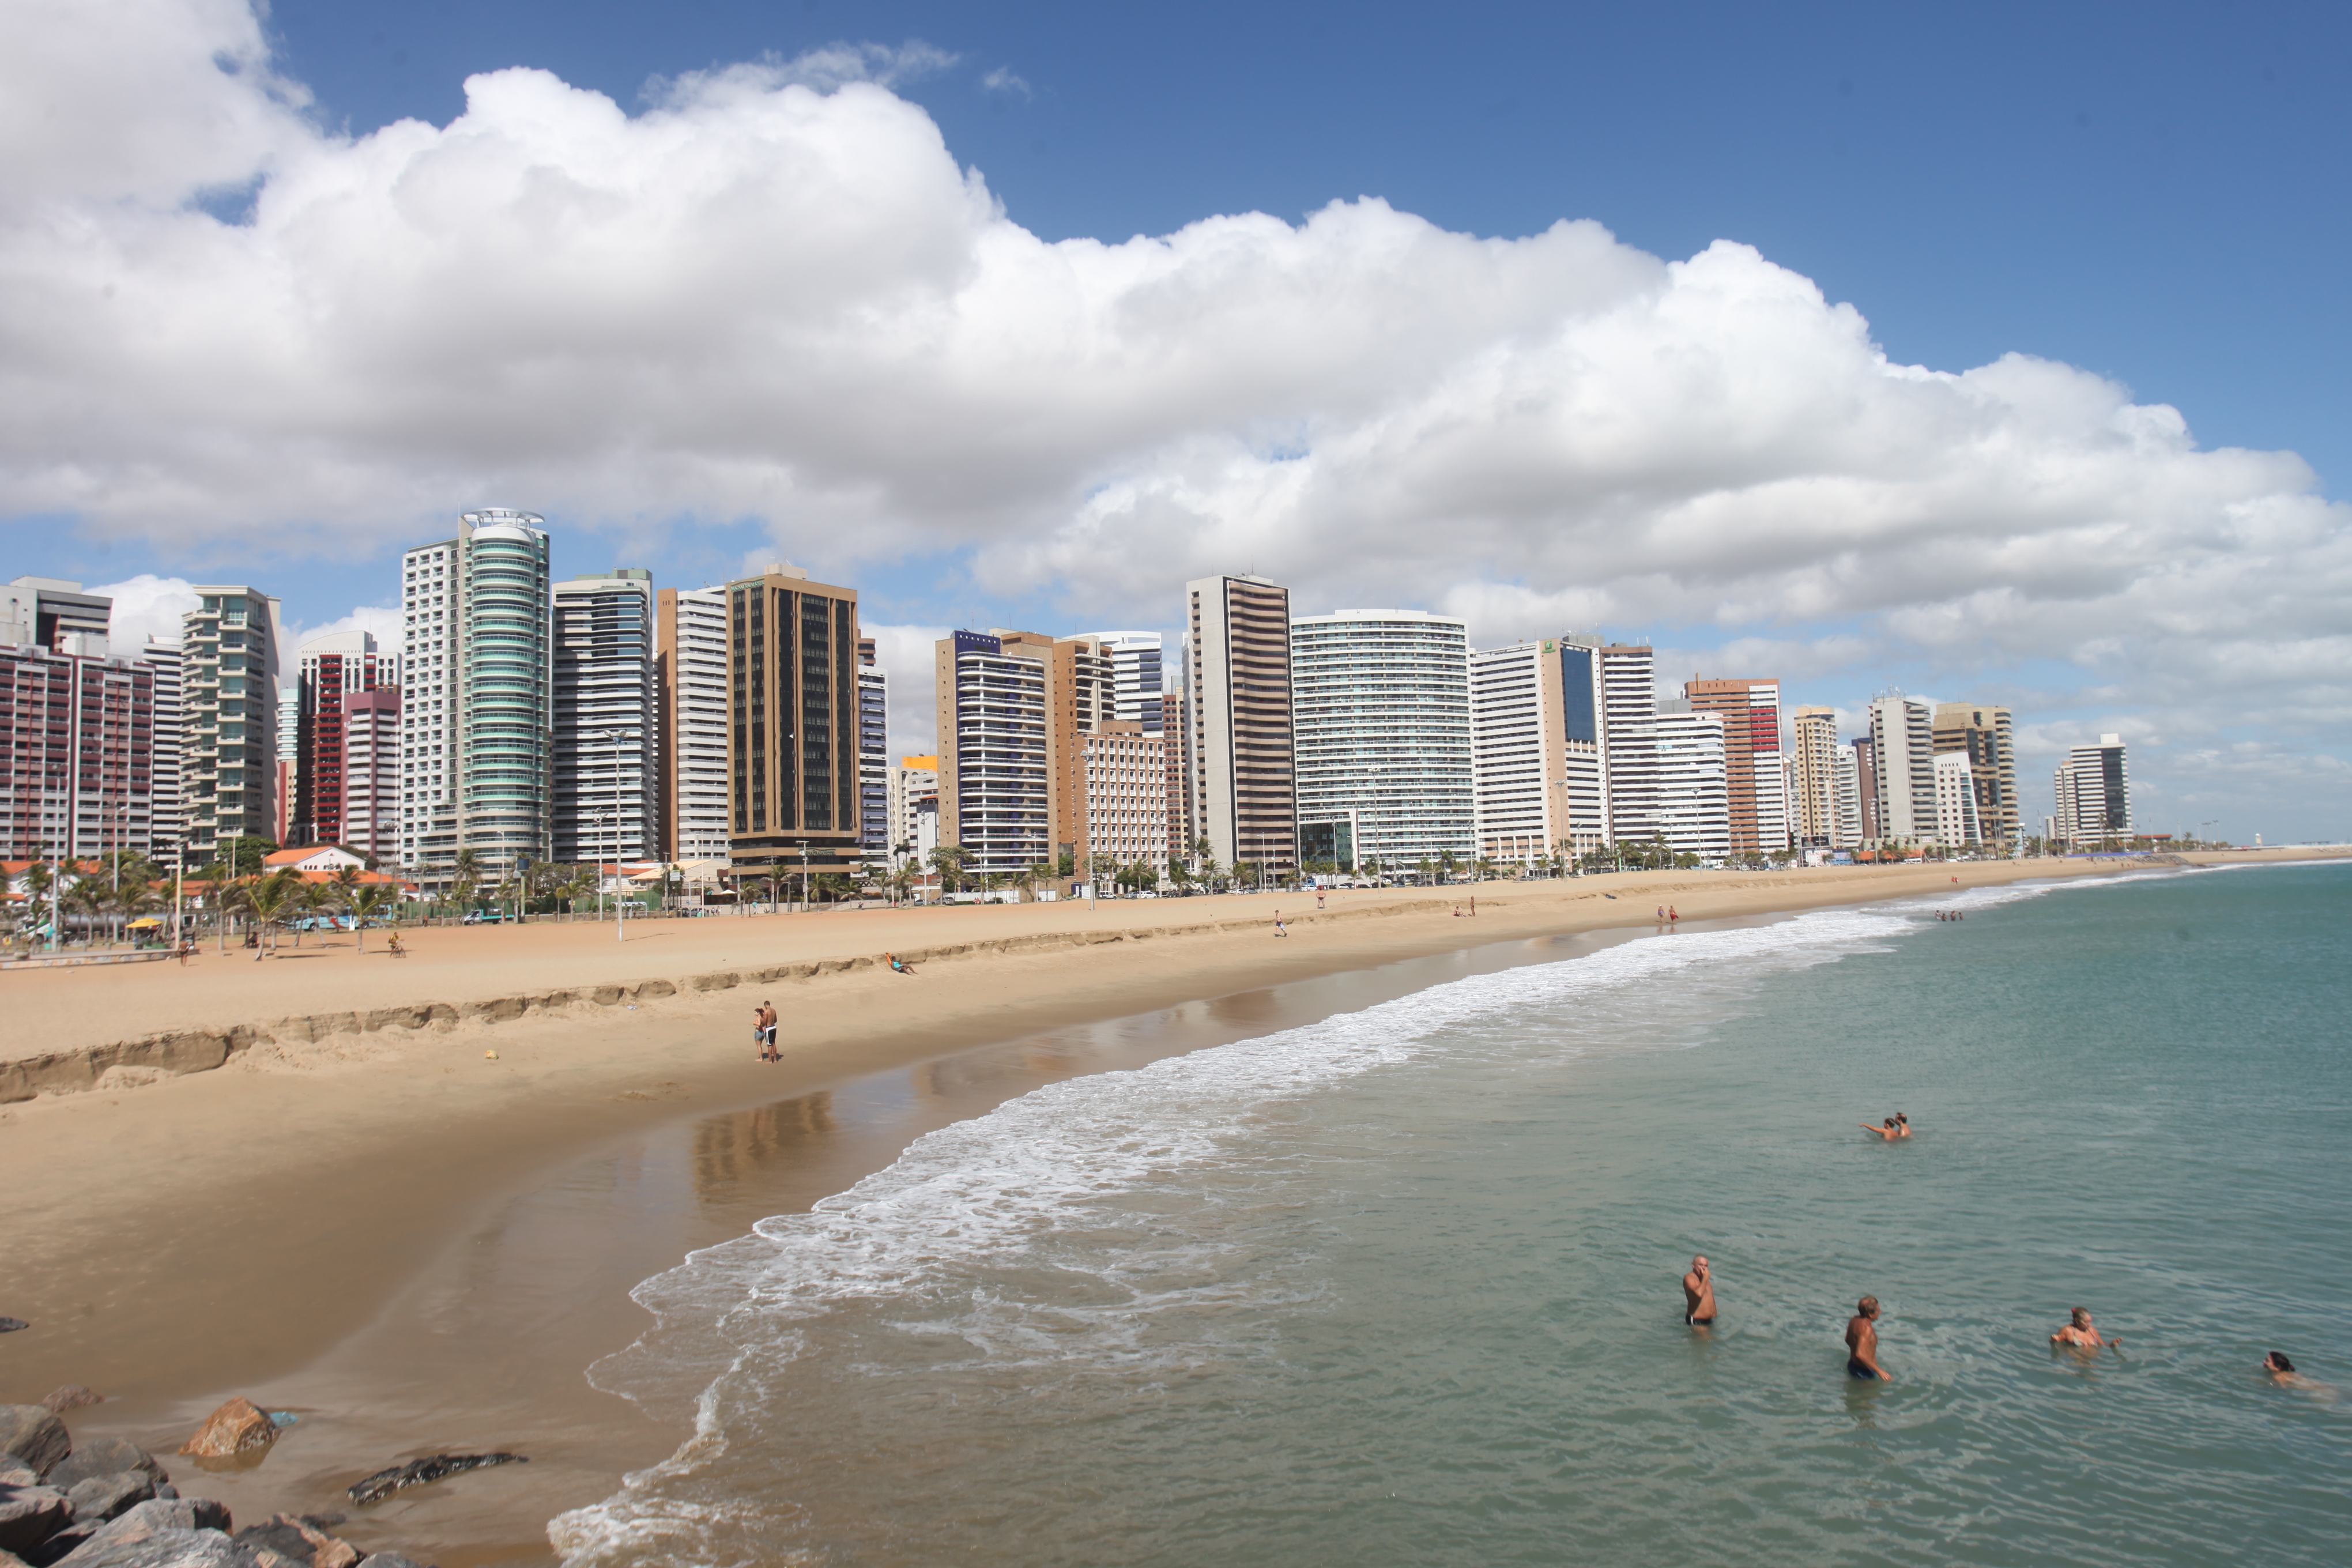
(763, 1031)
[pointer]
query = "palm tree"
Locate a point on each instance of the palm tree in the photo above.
(268, 899)
(364, 903)
(465, 875)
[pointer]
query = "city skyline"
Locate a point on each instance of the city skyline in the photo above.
(1825, 488)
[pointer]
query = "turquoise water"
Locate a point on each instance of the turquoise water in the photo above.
(1401, 1286)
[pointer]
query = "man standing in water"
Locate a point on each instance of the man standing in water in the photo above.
(1862, 1341)
(1698, 1295)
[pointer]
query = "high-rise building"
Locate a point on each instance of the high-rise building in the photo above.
(873, 754)
(995, 799)
(914, 784)
(1536, 743)
(1846, 831)
(478, 714)
(333, 668)
(1135, 659)
(792, 754)
(1813, 777)
(1118, 785)
(76, 779)
(233, 649)
(1865, 781)
(1237, 697)
(2093, 792)
(1956, 822)
(1751, 758)
(369, 811)
(1693, 800)
(1176, 733)
(690, 689)
(165, 815)
(41, 611)
(1381, 721)
(1629, 695)
(1986, 736)
(607, 737)
(1903, 762)
(1081, 699)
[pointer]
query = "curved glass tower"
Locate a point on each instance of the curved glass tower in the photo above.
(478, 725)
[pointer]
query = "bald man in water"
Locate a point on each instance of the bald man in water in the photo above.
(1862, 1343)
(1698, 1295)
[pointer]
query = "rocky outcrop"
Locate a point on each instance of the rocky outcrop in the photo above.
(30, 1515)
(33, 1434)
(72, 1397)
(237, 1425)
(106, 1456)
(105, 1498)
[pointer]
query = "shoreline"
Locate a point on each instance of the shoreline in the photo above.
(153, 1215)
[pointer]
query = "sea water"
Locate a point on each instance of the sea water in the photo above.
(1401, 1286)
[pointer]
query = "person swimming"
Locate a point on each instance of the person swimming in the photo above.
(2081, 1333)
(1862, 1343)
(1889, 1132)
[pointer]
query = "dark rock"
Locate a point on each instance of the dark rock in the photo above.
(119, 1544)
(416, 1472)
(275, 1542)
(102, 1498)
(33, 1433)
(235, 1426)
(58, 1546)
(72, 1397)
(388, 1560)
(10, 1325)
(17, 1473)
(165, 1548)
(105, 1457)
(30, 1515)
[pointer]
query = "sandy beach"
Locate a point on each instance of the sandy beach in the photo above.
(418, 1245)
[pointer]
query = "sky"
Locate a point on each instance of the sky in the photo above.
(1991, 352)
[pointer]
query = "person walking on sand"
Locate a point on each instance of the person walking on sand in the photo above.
(1862, 1343)
(1279, 929)
(1661, 914)
(2081, 1333)
(1698, 1295)
(1318, 898)
(1672, 914)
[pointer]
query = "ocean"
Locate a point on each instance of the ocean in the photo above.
(1401, 1286)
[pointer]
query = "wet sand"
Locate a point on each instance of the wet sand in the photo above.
(423, 1249)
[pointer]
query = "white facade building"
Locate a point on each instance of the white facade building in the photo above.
(478, 712)
(874, 816)
(166, 825)
(1903, 755)
(1381, 704)
(1956, 801)
(1136, 676)
(691, 692)
(607, 737)
(1693, 810)
(234, 663)
(1628, 740)
(1537, 762)
(2093, 792)
(992, 701)
(915, 784)
(1846, 825)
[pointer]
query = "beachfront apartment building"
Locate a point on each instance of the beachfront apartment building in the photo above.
(42, 612)
(233, 648)
(2093, 791)
(1136, 676)
(1956, 822)
(1986, 736)
(690, 664)
(1117, 790)
(1537, 759)
(607, 727)
(1628, 697)
(330, 670)
(1692, 809)
(165, 820)
(873, 754)
(1902, 766)
(1865, 783)
(1176, 733)
(478, 715)
(1243, 748)
(1751, 758)
(369, 773)
(1381, 726)
(913, 808)
(995, 799)
(1846, 833)
(75, 778)
(792, 731)
(1813, 773)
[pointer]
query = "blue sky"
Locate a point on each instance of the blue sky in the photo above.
(2150, 194)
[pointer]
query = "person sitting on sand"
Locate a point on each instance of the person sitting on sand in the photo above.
(2080, 1332)
(898, 965)
(1889, 1132)
(1862, 1343)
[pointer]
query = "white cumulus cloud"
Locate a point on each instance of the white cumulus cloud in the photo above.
(775, 296)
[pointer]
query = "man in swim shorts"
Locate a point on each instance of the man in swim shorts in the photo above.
(1698, 1295)
(1862, 1343)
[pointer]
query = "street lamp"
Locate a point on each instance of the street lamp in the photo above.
(804, 885)
(620, 908)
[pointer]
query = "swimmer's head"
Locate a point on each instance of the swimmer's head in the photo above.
(2275, 1362)
(1868, 1306)
(1890, 1121)
(1903, 1119)
(1699, 1263)
(2081, 1316)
